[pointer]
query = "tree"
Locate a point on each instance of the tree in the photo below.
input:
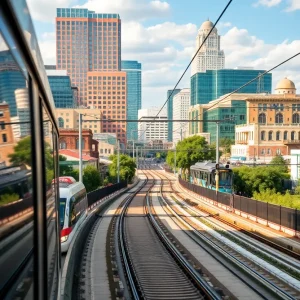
(191, 150)
(226, 143)
(279, 162)
(170, 159)
(249, 180)
(91, 178)
(22, 152)
(127, 168)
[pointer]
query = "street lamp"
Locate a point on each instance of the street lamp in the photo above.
(80, 147)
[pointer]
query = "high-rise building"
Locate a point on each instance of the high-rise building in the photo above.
(61, 88)
(170, 96)
(210, 56)
(149, 131)
(88, 46)
(11, 78)
(133, 70)
(213, 84)
(181, 104)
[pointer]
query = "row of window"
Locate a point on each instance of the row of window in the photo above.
(269, 151)
(262, 119)
(278, 135)
(278, 106)
(99, 24)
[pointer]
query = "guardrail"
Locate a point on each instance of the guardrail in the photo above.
(275, 216)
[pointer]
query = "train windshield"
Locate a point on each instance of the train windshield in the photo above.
(62, 207)
(225, 177)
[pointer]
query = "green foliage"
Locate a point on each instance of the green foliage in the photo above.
(279, 163)
(297, 189)
(91, 178)
(8, 198)
(127, 168)
(191, 150)
(64, 170)
(22, 152)
(226, 143)
(249, 180)
(271, 196)
(106, 181)
(170, 159)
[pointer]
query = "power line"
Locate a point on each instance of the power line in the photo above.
(252, 80)
(220, 16)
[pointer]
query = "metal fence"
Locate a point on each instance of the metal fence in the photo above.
(98, 194)
(283, 216)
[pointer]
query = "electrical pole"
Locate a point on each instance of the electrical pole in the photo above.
(80, 147)
(133, 150)
(217, 157)
(118, 161)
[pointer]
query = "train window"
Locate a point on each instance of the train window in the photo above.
(51, 205)
(16, 201)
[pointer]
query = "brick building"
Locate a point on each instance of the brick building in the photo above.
(68, 139)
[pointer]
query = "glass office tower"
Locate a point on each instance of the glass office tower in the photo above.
(213, 84)
(133, 70)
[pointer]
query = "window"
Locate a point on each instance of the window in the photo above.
(262, 151)
(285, 135)
(293, 135)
(279, 118)
(278, 136)
(4, 138)
(296, 119)
(60, 122)
(269, 151)
(278, 151)
(2, 125)
(270, 136)
(263, 135)
(1, 113)
(262, 118)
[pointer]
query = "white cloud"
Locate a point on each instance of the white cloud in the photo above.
(243, 49)
(48, 48)
(130, 9)
(45, 10)
(293, 5)
(268, 3)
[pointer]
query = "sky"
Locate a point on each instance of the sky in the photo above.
(162, 34)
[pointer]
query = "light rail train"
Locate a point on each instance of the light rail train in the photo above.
(73, 205)
(203, 174)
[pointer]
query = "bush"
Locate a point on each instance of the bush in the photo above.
(271, 196)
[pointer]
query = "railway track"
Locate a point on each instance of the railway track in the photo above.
(259, 272)
(154, 267)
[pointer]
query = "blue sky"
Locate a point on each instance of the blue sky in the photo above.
(161, 35)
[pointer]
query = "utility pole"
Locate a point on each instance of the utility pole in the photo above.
(133, 150)
(217, 158)
(181, 134)
(118, 161)
(80, 147)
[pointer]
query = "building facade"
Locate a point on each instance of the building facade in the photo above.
(272, 126)
(133, 70)
(181, 104)
(69, 139)
(213, 84)
(11, 78)
(61, 88)
(149, 131)
(68, 118)
(210, 56)
(170, 96)
(6, 135)
(88, 46)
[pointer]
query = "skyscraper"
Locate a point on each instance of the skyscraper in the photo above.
(170, 112)
(210, 56)
(181, 104)
(133, 70)
(88, 46)
(213, 84)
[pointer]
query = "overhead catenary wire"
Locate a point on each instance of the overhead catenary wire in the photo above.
(247, 83)
(220, 16)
